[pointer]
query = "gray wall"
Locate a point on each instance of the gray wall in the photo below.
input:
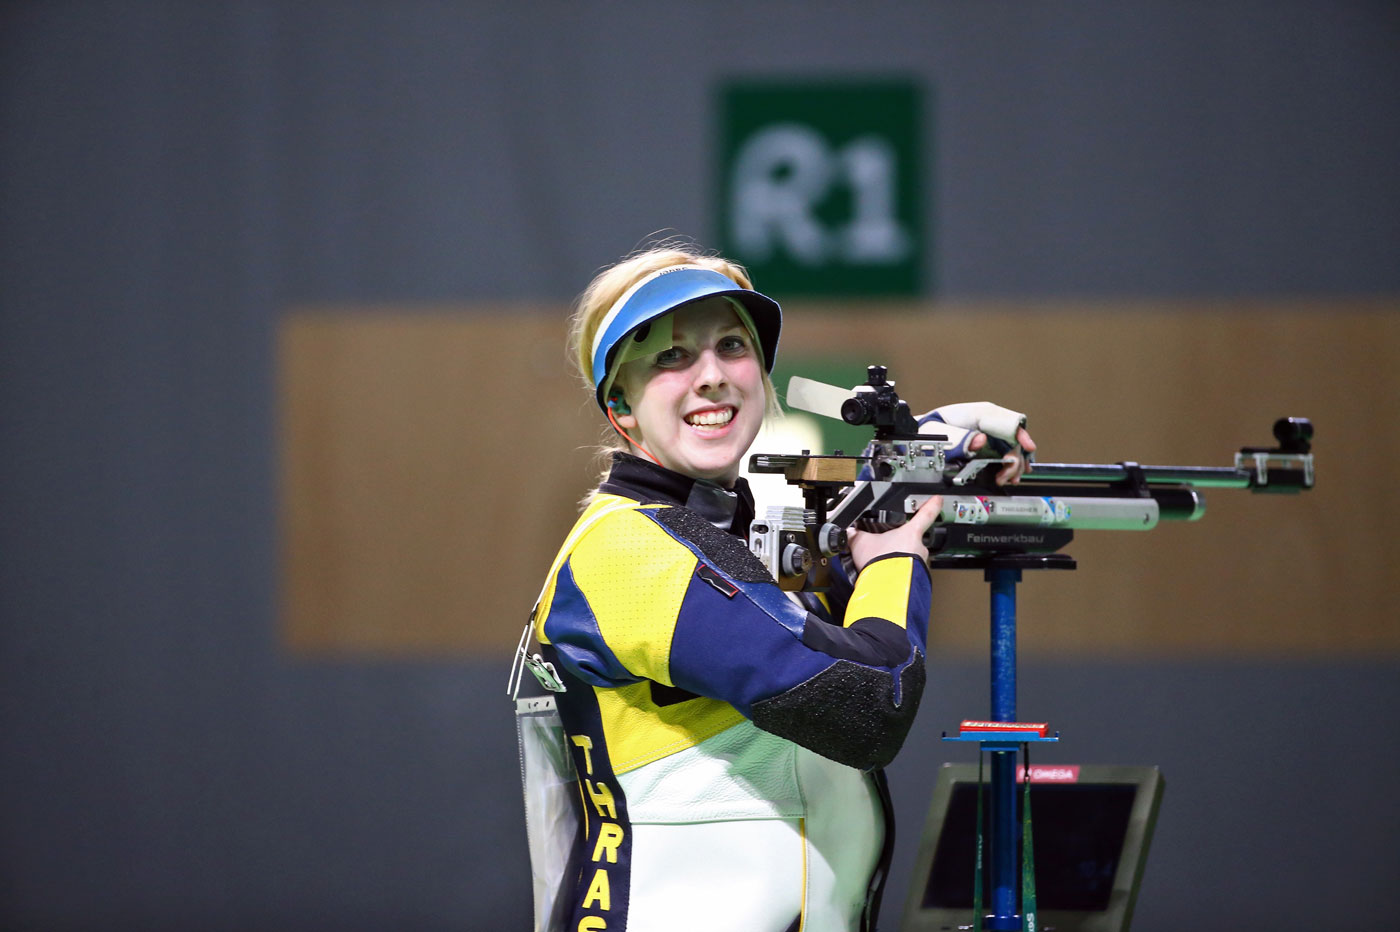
(174, 177)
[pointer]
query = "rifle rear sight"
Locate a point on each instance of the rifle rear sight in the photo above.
(876, 403)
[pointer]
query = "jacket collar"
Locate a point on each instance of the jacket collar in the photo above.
(649, 483)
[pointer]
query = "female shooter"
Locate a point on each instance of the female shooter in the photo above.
(727, 739)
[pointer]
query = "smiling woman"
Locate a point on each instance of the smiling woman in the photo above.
(719, 742)
(623, 331)
(700, 402)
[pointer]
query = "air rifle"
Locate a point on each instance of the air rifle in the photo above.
(905, 464)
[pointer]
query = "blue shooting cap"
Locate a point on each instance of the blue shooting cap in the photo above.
(624, 333)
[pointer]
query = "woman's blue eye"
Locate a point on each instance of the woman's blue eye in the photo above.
(669, 357)
(733, 345)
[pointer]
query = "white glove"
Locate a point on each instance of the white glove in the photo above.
(961, 422)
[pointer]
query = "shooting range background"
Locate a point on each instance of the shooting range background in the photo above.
(287, 444)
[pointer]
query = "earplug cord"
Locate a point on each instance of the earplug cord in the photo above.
(634, 443)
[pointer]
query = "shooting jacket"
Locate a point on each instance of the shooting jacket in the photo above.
(727, 740)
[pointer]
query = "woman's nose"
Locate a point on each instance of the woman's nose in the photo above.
(709, 374)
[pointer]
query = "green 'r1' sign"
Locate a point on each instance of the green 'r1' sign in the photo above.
(819, 188)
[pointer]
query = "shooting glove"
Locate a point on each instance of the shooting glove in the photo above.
(961, 421)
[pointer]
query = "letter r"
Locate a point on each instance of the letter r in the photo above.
(610, 835)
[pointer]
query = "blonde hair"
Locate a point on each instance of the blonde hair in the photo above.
(608, 285)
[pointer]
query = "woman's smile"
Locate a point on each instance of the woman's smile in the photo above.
(711, 420)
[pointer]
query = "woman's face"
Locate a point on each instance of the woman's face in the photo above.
(698, 405)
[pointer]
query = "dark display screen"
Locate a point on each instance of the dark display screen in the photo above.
(1079, 831)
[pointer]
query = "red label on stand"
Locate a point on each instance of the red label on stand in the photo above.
(1038, 727)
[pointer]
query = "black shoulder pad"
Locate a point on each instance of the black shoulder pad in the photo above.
(721, 548)
(849, 712)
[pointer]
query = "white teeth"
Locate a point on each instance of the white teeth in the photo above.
(711, 418)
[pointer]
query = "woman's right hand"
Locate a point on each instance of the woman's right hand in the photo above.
(907, 538)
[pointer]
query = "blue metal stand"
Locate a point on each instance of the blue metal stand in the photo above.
(1003, 840)
(1004, 837)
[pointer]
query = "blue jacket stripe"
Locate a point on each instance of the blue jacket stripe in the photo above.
(731, 650)
(767, 596)
(573, 630)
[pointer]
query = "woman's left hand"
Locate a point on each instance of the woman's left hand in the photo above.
(1015, 459)
(969, 427)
